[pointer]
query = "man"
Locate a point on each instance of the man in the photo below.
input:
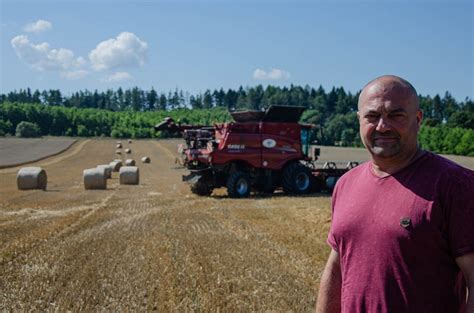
(402, 232)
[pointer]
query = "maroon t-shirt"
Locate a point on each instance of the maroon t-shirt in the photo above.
(398, 236)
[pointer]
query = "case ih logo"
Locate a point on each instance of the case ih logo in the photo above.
(236, 147)
(269, 143)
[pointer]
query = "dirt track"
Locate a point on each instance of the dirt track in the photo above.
(154, 246)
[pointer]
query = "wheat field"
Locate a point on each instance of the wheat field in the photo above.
(155, 246)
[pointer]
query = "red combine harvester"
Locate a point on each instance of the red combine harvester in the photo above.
(260, 150)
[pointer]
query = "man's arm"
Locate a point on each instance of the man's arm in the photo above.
(466, 264)
(329, 295)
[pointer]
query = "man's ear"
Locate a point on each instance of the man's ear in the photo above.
(419, 117)
(358, 116)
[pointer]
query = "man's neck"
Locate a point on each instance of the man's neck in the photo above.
(383, 167)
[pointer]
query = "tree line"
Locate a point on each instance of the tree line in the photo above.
(62, 121)
(437, 109)
(133, 112)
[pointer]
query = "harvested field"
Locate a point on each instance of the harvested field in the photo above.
(154, 246)
(16, 151)
(342, 155)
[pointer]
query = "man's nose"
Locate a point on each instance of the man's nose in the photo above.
(383, 125)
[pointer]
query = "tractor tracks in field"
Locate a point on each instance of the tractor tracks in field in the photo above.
(262, 240)
(22, 249)
(167, 151)
(93, 209)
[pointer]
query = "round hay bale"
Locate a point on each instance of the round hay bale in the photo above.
(116, 165)
(118, 152)
(31, 178)
(119, 146)
(130, 141)
(146, 159)
(108, 169)
(129, 175)
(94, 178)
(130, 162)
(128, 151)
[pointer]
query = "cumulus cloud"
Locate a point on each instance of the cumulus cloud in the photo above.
(38, 26)
(41, 57)
(117, 77)
(73, 75)
(127, 50)
(273, 74)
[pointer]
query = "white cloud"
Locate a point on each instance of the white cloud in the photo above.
(38, 26)
(117, 77)
(72, 75)
(126, 50)
(273, 74)
(42, 58)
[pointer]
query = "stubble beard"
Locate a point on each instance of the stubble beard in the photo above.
(385, 151)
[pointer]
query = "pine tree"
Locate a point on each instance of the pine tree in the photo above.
(151, 99)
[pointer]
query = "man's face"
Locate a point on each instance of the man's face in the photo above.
(389, 121)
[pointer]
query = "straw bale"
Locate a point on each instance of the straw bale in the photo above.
(31, 178)
(130, 162)
(116, 165)
(108, 169)
(94, 178)
(129, 175)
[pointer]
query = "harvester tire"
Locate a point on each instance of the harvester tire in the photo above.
(297, 179)
(238, 185)
(201, 188)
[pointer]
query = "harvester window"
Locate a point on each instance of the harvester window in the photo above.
(305, 141)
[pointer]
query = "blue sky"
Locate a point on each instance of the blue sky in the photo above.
(199, 45)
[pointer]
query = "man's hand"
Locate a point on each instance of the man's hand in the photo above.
(329, 296)
(466, 264)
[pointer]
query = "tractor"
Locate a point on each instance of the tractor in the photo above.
(259, 150)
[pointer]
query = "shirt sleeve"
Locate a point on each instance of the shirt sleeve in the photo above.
(460, 205)
(331, 240)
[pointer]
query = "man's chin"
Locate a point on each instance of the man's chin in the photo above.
(384, 152)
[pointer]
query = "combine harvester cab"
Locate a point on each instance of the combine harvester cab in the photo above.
(260, 150)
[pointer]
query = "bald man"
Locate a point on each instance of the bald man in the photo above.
(402, 230)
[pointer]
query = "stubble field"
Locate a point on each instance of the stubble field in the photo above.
(156, 246)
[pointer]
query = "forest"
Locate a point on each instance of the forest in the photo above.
(448, 125)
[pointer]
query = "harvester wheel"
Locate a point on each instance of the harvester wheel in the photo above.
(238, 185)
(297, 179)
(201, 188)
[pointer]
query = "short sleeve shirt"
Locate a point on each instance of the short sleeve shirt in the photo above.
(398, 236)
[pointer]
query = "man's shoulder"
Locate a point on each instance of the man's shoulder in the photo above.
(356, 172)
(442, 166)
(353, 175)
(448, 178)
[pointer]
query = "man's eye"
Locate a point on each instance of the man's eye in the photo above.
(398, 115)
